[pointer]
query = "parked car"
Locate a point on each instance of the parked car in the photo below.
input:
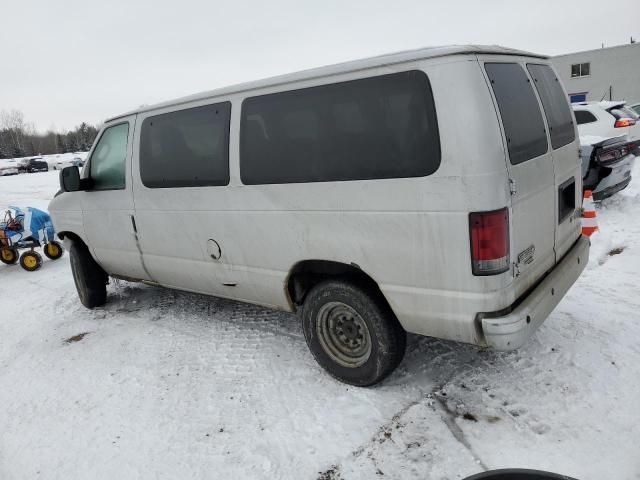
(607, 164)
(606, 119)
(61, 163)
(8, 167)
(351, 194)
(635, 107)
(30, 165)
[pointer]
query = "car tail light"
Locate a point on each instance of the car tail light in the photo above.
(624, 122)
(489, 234)
(610, 156)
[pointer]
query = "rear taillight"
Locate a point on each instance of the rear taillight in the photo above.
(610, 156)
(489, 234)
(624, 122)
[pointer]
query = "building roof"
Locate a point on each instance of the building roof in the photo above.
(613, 47)
(355, 65)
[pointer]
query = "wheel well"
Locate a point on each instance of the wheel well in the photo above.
(308, 273)
(70, 236)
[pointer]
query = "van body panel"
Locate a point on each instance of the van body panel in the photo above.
(410, 235)
(398, 240)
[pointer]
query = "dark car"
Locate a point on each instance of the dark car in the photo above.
(607, 164)
(34, 165)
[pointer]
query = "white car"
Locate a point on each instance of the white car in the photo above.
(635, 107)
(606, 119)
(352, 194)
(9, 167)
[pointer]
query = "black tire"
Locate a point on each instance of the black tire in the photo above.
(339, 319)
(31, 261)
(9, 256)
(53, 250)
(89, 277)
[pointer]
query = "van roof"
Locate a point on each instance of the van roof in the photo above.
(338, 68)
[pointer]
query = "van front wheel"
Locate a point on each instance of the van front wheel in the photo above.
(351, 333)
(90, 279)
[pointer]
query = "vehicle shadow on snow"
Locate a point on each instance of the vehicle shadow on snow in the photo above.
(427, 360)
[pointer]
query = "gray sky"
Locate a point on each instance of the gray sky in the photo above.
(68, 61)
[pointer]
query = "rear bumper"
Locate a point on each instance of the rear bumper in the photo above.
(511, 330)
(606, 192)
(618, 178)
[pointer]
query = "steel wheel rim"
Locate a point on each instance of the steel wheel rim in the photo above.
(343, 334)
(8, 255)
(53, 249)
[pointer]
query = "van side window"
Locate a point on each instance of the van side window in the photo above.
(373, 128)
(555, 104)
(186, 148)
(109, 159)
(521, 116)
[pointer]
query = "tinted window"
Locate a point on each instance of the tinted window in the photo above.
(187, 148)
(575, 70)
(380, 127)
(521, 115)
(580, 69)
(108, 160)
(556, 107)
(582, 116)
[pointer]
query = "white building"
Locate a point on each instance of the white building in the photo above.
(611, 73)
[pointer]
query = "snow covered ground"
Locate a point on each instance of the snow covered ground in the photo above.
(165, 385)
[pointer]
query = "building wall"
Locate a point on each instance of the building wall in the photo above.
(615, 67)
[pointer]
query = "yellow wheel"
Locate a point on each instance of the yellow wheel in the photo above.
(53, 250)
(30, 261)
(8, 256)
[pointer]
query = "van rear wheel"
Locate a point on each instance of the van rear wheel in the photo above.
(351, 333)
(89, 277)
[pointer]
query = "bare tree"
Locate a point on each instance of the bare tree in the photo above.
(19, 138)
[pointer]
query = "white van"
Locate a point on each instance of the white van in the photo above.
(435, 191)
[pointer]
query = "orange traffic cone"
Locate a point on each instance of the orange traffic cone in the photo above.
(589, 220)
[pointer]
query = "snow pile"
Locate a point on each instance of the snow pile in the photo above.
(164, 384)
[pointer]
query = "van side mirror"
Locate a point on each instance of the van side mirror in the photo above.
(70, 179)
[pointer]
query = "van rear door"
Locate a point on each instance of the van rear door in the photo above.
(531, 170)
(567, 164)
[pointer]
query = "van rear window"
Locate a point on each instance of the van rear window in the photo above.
(186, 148)
(521, 116)
(373, 128)
(555, 104)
